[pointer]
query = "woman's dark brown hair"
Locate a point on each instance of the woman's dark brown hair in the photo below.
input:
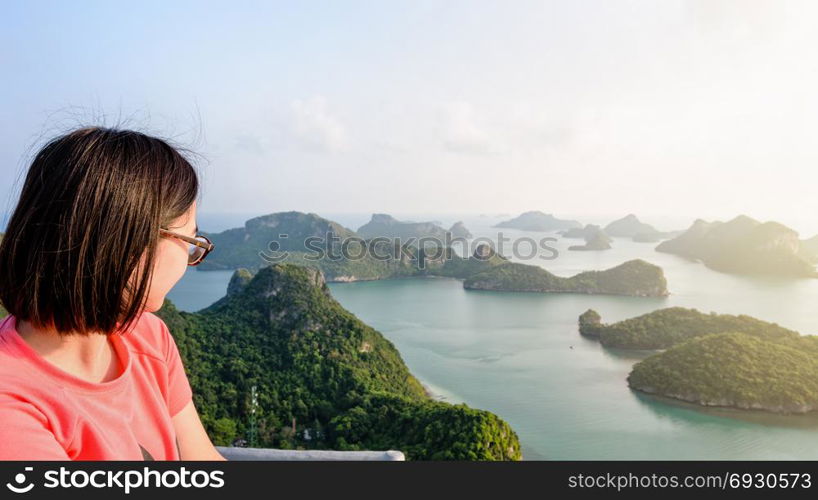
(90, 208)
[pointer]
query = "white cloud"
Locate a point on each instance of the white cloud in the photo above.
(316, 128)
(463, 131)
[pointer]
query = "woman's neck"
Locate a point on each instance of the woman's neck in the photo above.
(89, 357)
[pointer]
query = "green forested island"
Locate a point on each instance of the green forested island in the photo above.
(735, 369)
(716, 359)
(667, 327)
(743, 246)
(635, 277)
(267, 236)
(324, 378)
(446, 263)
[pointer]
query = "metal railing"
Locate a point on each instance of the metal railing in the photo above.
(270, 454)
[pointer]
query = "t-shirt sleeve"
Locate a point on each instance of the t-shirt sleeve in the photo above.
(25, 433)
(179, 391)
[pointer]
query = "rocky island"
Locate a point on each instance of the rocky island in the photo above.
(386, 226)
(538, 221)
(743, 246)
(580, 233)
(667, 327)
(635, 278)
(459, 230)
(736, 370)
(595, 239)
(631, 227)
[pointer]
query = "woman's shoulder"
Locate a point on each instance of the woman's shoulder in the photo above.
(13, 362)
(150, 336)
(20, 380)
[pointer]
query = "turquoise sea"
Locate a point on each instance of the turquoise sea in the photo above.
(520, 355)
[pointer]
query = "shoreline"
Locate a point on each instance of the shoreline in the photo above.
(430, 393)
(808, 420)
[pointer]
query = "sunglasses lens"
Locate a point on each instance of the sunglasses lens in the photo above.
(195, 253)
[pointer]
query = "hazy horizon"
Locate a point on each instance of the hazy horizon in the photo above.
(214, 222)
(807, 227)
(691, 109)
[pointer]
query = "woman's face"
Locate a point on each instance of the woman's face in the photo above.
(171, 259)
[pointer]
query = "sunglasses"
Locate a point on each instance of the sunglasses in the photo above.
(198, 247)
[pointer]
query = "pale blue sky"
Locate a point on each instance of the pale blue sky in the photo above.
(703, 108)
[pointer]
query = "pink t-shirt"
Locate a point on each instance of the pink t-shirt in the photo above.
(47, 413)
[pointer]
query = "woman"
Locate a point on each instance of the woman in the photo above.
(103, 229)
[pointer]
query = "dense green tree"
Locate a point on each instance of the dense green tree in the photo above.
(223, 432)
